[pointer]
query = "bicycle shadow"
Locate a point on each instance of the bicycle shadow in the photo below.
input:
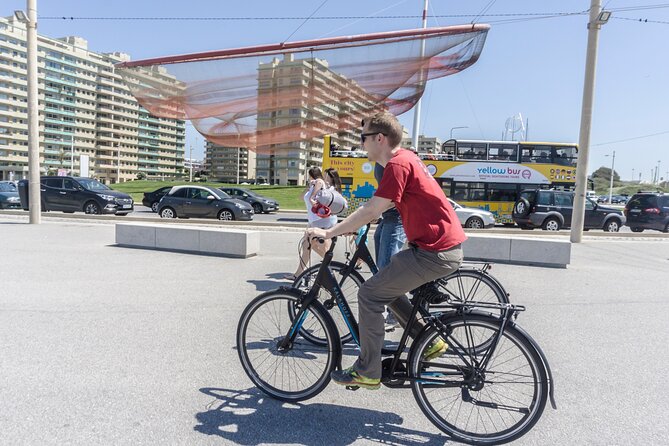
(273, 281)
(249, 417)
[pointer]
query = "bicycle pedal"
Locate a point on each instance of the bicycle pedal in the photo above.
(352, 387)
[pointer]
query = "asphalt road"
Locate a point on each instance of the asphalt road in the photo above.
(106, 345)
(295, 219)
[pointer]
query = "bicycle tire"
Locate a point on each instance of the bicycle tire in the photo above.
(478, 419)
(299, 373)
(349, 286)
(472, 285)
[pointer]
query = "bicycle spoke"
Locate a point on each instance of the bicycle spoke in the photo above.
(291, 370)
(490, 403)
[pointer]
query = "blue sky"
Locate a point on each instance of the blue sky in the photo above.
(533, 67)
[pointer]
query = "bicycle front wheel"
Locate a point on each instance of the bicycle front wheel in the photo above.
(299, 371)
(493, 404)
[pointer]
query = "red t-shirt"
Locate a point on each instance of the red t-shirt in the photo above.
(428, 218)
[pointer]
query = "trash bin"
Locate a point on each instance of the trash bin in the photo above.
(23, 194)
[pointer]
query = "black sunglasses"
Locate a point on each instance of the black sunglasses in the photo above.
(365, 135)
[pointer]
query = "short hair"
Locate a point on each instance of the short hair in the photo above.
(386, 123)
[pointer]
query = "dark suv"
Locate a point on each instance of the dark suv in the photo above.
(648, 210)
(72, 194)
(552, 210)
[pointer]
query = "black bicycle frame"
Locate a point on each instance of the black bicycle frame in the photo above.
(362, 253)
(326, 279)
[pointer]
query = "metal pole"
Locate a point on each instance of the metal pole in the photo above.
(118, 163)
(190, 160)
(238, 149)
(72, 156)
(416, 110)
(586, 121)
(658, 172)
(613, 163)
(459, 127)
(33, 116)
(632, 174)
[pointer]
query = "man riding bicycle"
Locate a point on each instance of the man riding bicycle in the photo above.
(432, 228)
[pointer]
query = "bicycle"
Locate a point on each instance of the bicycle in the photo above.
(465, 284)
(490, 387)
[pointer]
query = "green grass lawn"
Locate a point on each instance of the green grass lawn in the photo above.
(289, 197)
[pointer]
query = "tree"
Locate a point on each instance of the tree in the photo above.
(604, 173)
(141, 176)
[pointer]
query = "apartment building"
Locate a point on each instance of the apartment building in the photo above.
(287, 163)
(229, 164)
(86, 114)
(426, 144)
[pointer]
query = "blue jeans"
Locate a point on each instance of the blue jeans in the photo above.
(389, 239)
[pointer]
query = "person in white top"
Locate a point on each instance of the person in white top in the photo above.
(316, 183)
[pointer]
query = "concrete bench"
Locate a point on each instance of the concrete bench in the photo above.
(518, 250)
(201, 240)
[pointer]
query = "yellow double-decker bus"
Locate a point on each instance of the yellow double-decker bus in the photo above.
(484, 174)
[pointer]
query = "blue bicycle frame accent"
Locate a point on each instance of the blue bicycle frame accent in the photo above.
(296, 328)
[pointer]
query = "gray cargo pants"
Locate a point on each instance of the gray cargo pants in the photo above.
(406, 271)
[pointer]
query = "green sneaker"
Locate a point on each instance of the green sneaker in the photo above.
(435, 350)
(349, 377)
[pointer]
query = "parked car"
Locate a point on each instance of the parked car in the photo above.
(151, 199)
(552, 210)
(474, 218)
(9, 196)
(203, 202)
(615, 199)
(619, 199)
(648, 210)
(260, 204)
(75, 194)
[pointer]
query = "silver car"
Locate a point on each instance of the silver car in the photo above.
(473, 218)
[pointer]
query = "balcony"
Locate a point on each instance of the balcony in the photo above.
(59, 111)
(148, 119)
(60, 81)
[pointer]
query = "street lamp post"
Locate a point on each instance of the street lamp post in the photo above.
(596, 20)
(118, 163)
(632, 174)
(238, 149)
(458, 127)
(30, 21)
(613, 163)
(72, 156)
(421, 83)
(190, 161)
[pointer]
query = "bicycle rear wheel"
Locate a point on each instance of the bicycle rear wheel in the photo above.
(349, 284)
(494, 405)
(468, 284)
(298, 372)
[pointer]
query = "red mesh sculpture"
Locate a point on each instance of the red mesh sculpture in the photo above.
(269, 95)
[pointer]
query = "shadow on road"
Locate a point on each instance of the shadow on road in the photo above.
(292, 219)
(249, 417)
(275, 281)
